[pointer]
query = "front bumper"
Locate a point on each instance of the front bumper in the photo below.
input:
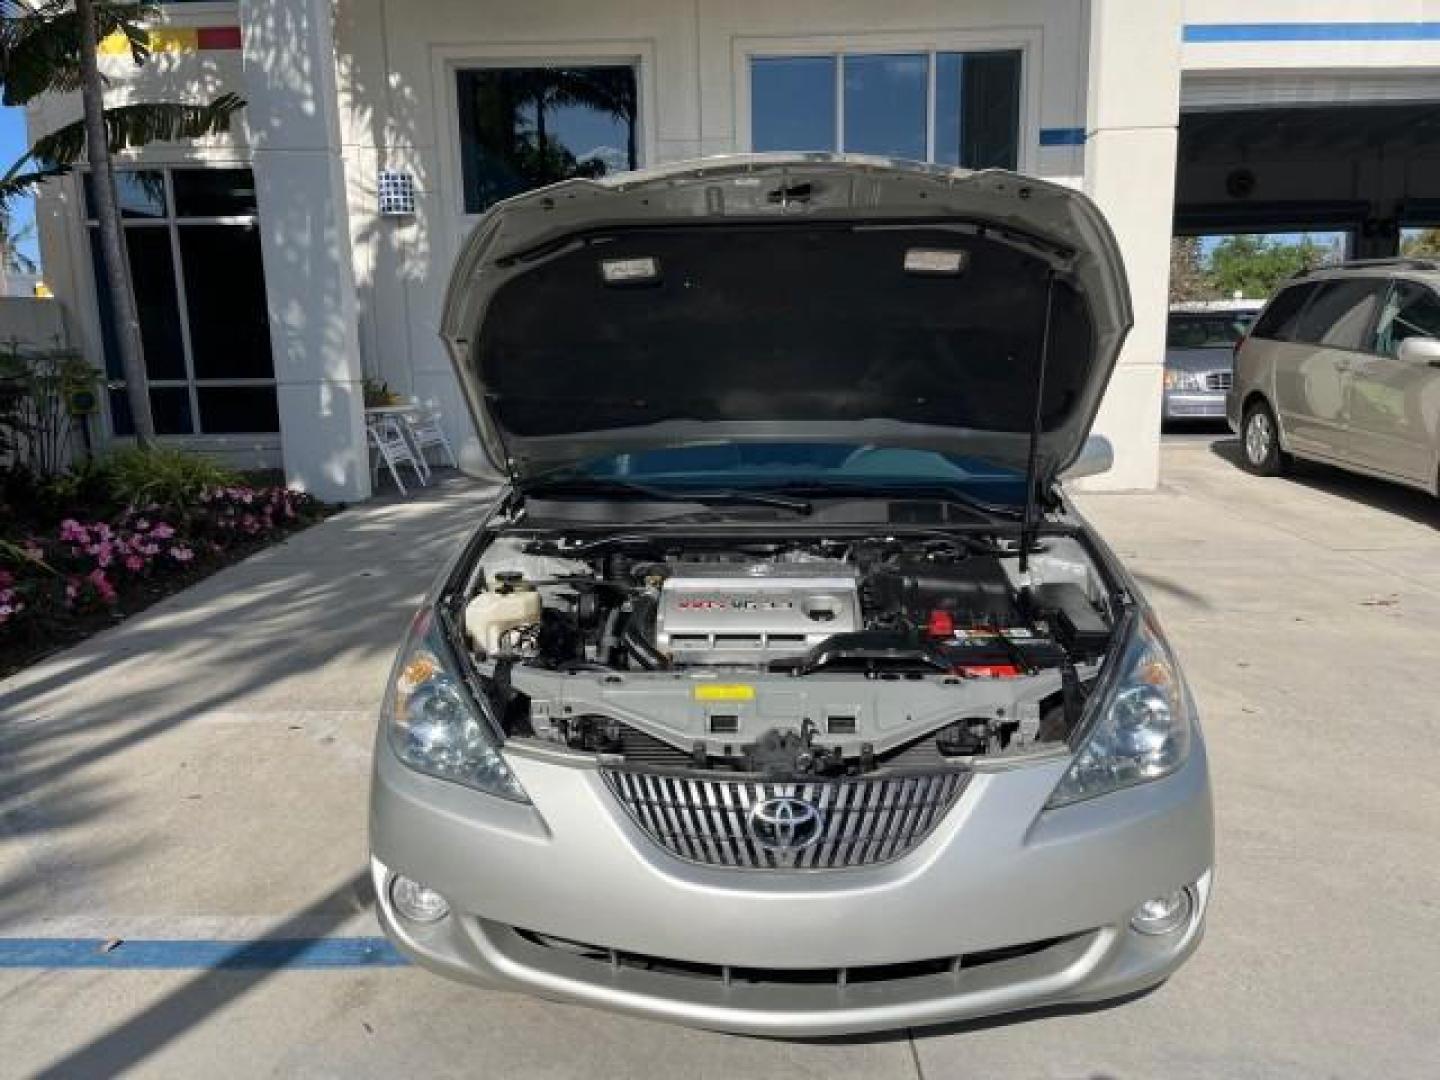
(998, 909)
(1194, 404)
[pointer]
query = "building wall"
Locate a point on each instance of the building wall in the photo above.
(1103, 88)
(396, 80)
(179, 70)
(1310, 35)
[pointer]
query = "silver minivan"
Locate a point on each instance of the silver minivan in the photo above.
(783, 690)
(1343, 367)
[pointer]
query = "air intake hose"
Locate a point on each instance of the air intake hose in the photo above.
(636, 641)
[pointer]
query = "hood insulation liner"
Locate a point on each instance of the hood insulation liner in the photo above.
(801, 322)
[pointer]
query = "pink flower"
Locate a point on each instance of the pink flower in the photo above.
(141, 524)
(181, 554)
(72, 590)
(162, 531)
(134, 563)
(72, 532)
(104, 553)
(7, 579)
(102, 585)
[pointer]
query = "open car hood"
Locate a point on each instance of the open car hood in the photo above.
(815, 297)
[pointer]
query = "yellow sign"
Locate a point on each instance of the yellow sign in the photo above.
(724, 692)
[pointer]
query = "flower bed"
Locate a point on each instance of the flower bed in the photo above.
(60, 582)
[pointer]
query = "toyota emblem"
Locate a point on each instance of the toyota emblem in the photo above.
(785, 825)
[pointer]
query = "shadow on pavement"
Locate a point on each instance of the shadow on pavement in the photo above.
(1411, 503)
(1173, 589)
(195, 1000)
(312, 621)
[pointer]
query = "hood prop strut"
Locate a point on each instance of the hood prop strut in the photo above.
(1027, 520)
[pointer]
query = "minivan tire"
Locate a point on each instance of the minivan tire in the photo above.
(1260, 442)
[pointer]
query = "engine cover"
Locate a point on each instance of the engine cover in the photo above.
(751, 613)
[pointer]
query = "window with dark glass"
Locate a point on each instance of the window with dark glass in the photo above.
(955, 108)
(192, 241)
(1279, 319)
(1341, 315)
(524, 127)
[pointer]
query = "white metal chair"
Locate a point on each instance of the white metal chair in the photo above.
(425, 431)
(392, 449)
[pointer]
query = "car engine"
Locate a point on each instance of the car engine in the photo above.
(754, 612)
(806, 657)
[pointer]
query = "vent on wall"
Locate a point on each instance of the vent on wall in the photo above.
(397, 193)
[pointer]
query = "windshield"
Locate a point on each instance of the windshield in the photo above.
(1208, 331)
(780, 466)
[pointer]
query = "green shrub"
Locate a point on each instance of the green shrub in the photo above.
(164, 476)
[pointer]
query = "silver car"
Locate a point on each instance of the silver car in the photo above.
(1200, 346)
(783, 691)
(1343, 367)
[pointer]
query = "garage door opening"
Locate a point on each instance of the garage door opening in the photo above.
(1368, 173)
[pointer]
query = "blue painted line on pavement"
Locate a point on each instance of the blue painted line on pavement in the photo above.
(208, 954)
(1217, 33)
(1062, 136)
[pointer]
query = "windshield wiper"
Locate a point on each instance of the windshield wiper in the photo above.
(584, 486)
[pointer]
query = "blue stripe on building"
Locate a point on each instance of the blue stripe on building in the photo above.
(1062, 136)
(211, 954)
(1217, 33)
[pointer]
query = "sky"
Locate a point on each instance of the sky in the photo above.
(12, 145)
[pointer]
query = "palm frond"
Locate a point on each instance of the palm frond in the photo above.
(40, 46)
(128, 126)
(16, 183)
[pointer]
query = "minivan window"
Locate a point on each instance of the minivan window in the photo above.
(1278, 321)
(1410, 311)
(1341, 314)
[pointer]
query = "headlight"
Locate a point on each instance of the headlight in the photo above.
(1143, 729)
(1183, 380)
(433, 723)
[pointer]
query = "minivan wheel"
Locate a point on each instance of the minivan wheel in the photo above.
(1260, 442)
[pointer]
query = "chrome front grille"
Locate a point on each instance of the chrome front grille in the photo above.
(1218, 380)
(862, 821)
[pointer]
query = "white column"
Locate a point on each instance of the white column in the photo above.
(1133, 112)
(289, 63)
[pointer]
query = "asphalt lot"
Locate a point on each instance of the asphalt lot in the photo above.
(199, 774)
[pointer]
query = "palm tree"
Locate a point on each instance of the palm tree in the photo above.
(13, 259)
(50, 46)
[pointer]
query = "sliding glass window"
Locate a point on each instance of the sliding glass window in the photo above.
(953, 108)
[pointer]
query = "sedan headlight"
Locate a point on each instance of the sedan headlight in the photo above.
(434, 723)
(1183, 380)
(1144, 726)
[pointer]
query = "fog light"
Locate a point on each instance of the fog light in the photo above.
(1164, 914)
(416, 902)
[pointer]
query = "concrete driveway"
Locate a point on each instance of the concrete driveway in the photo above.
(197, 778)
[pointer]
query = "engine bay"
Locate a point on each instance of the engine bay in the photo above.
(814, 657)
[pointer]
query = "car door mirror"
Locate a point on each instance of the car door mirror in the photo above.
(1420, 350)
(1095, 457)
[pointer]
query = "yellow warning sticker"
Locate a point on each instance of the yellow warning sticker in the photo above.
(724, 692)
